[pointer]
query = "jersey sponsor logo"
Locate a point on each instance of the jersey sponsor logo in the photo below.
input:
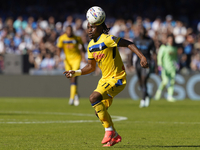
(97, 47)
(142, 47)
(70, 41)
(99, 56)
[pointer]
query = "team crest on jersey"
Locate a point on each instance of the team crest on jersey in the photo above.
(114, 38)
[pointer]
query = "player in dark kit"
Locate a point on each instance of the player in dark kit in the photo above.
(146, 45)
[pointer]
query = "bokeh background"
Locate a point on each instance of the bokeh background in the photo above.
(29, 30)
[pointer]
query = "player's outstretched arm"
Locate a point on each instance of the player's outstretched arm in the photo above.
(133, 48)
(90, 67)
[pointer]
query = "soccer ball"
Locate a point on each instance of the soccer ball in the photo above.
(95, 15)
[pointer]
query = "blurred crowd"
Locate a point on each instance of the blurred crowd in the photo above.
(37, 39)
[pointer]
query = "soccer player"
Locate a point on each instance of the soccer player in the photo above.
(167, 60)
(73, 56)
(146, 45)
(103, 50)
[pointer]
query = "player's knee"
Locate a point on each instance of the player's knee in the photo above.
(73, 80)
(172, 82)
(164, 84)
(94, 97)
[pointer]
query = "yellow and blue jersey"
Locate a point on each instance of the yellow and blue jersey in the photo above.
(106, 54)
(70, 46)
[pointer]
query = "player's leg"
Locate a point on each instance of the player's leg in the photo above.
(165, 80)
(145, 72)
(112, 93)
(103, 115)
(171, 87)
(103, 89)
(107, 101)
(139, 75)
(73, 89)
(74, 86)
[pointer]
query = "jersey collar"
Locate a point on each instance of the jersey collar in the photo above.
(97, 38)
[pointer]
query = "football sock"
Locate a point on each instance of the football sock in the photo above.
(109, 129)
(107, 102)
(73, 91)
(111, 122)
(170, 89)
(161, 86)
(102, 113)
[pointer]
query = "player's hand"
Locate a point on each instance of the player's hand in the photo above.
(143, 62)
(69, 73)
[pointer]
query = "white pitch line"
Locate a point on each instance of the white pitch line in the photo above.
(115, 118)
(164, 122)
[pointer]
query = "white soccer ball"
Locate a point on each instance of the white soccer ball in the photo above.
(95, 15)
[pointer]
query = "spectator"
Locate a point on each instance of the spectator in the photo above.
(169, 24)
(182, 58)
(78, 30)
(48, 63)
(179, 32)
(58, 29)
(188, 49)
(69, 21)
(2, 47)
(1, 23)
(1, 63)
(157, 25)
(51, 22)
(195, 64)
(19, 23)
(38, 33)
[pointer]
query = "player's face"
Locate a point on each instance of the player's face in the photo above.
(93, 31)
(69, 31)
(170, 40)
(142, 31)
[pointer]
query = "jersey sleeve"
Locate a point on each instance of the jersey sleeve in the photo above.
(112, 41)
(59, 43)
(90, 56)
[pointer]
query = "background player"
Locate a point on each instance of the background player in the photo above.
(73, 56)
(103, 50)
(146, 45)
(167, 60)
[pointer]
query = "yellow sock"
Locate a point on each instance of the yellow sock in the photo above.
(103, 115)
(107, 103)
(73, 91)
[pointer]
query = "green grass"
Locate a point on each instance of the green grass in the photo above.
(50, 124)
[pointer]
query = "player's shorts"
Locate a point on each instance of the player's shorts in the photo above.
(168, 75)
(109, 88)
(72, 64)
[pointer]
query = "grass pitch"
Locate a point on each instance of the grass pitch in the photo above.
(51, 124)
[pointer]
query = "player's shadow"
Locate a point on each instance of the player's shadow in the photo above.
(159, 146)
